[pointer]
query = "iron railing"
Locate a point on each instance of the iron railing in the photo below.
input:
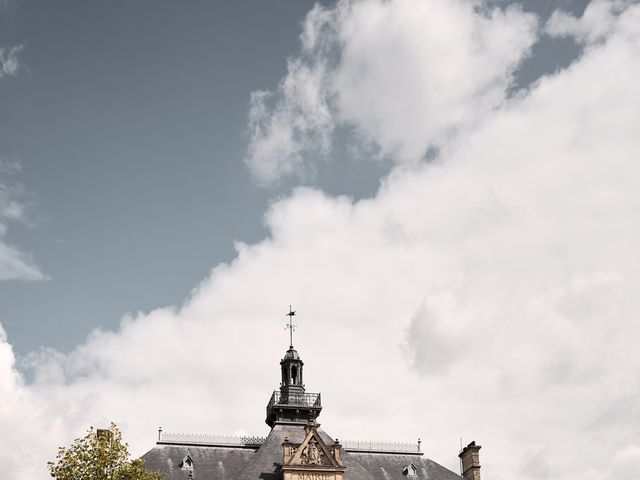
(297, 399)
(210, 440)
(381, 447)
(252, 441)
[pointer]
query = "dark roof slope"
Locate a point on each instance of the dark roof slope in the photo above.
(210, 463)
(389, 466)
(232, 463)
(266, 463)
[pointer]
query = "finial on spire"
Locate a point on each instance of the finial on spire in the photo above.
(290, 326)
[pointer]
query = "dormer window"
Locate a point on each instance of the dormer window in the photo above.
(410, 470)
(187, 463)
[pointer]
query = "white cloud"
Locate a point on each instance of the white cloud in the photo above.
(299, 122)
(624, 462)
(14, 264)
(9, 63)
(429, 68)
(596, 24)
(29, 421)
(490, 294)
(407, 75)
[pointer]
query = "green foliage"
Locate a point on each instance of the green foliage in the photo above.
(99, 455)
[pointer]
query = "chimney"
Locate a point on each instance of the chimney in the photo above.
(104, 434)
(470, 461)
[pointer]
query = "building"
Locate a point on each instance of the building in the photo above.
(297, 448)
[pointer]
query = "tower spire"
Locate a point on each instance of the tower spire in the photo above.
(292, 403)
(291, 327)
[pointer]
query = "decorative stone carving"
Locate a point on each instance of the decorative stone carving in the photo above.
(312, 459)
(312, 455)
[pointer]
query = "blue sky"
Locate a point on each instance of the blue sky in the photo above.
(445, 190)
(129, 122)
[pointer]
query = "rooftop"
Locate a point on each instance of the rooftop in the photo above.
(291, 415)
(254, 442)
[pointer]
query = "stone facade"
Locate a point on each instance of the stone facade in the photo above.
(311, 459)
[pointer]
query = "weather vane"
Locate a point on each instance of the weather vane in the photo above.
(291, 327)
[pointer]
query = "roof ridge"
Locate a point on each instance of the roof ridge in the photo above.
(204, 439)
(364, 446)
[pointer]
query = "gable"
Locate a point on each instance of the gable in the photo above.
(312, 459)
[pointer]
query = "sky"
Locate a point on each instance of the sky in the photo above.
(445, 190)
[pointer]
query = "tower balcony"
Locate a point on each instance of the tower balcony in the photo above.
(291, 398)
(293, 407)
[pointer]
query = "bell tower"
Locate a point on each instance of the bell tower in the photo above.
(292, 404)
(291, 367)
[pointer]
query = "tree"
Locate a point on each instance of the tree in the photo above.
(99, 455)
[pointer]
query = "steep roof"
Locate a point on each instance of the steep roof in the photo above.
(265, 465)
(210, 463)
(236, 463)
(389, 466)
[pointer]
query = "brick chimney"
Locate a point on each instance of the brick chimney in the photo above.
(104, 434)
(470, 461)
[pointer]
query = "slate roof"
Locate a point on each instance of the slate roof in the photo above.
(389, 466)
(210, 463)
(237, 463)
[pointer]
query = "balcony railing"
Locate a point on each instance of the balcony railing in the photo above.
(381, 447)
(255, 442)
(210, 440)
(297, 399)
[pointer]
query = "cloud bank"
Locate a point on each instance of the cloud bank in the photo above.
(406, 75)
(489, 293)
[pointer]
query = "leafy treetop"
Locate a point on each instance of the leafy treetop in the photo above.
(99, 455)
